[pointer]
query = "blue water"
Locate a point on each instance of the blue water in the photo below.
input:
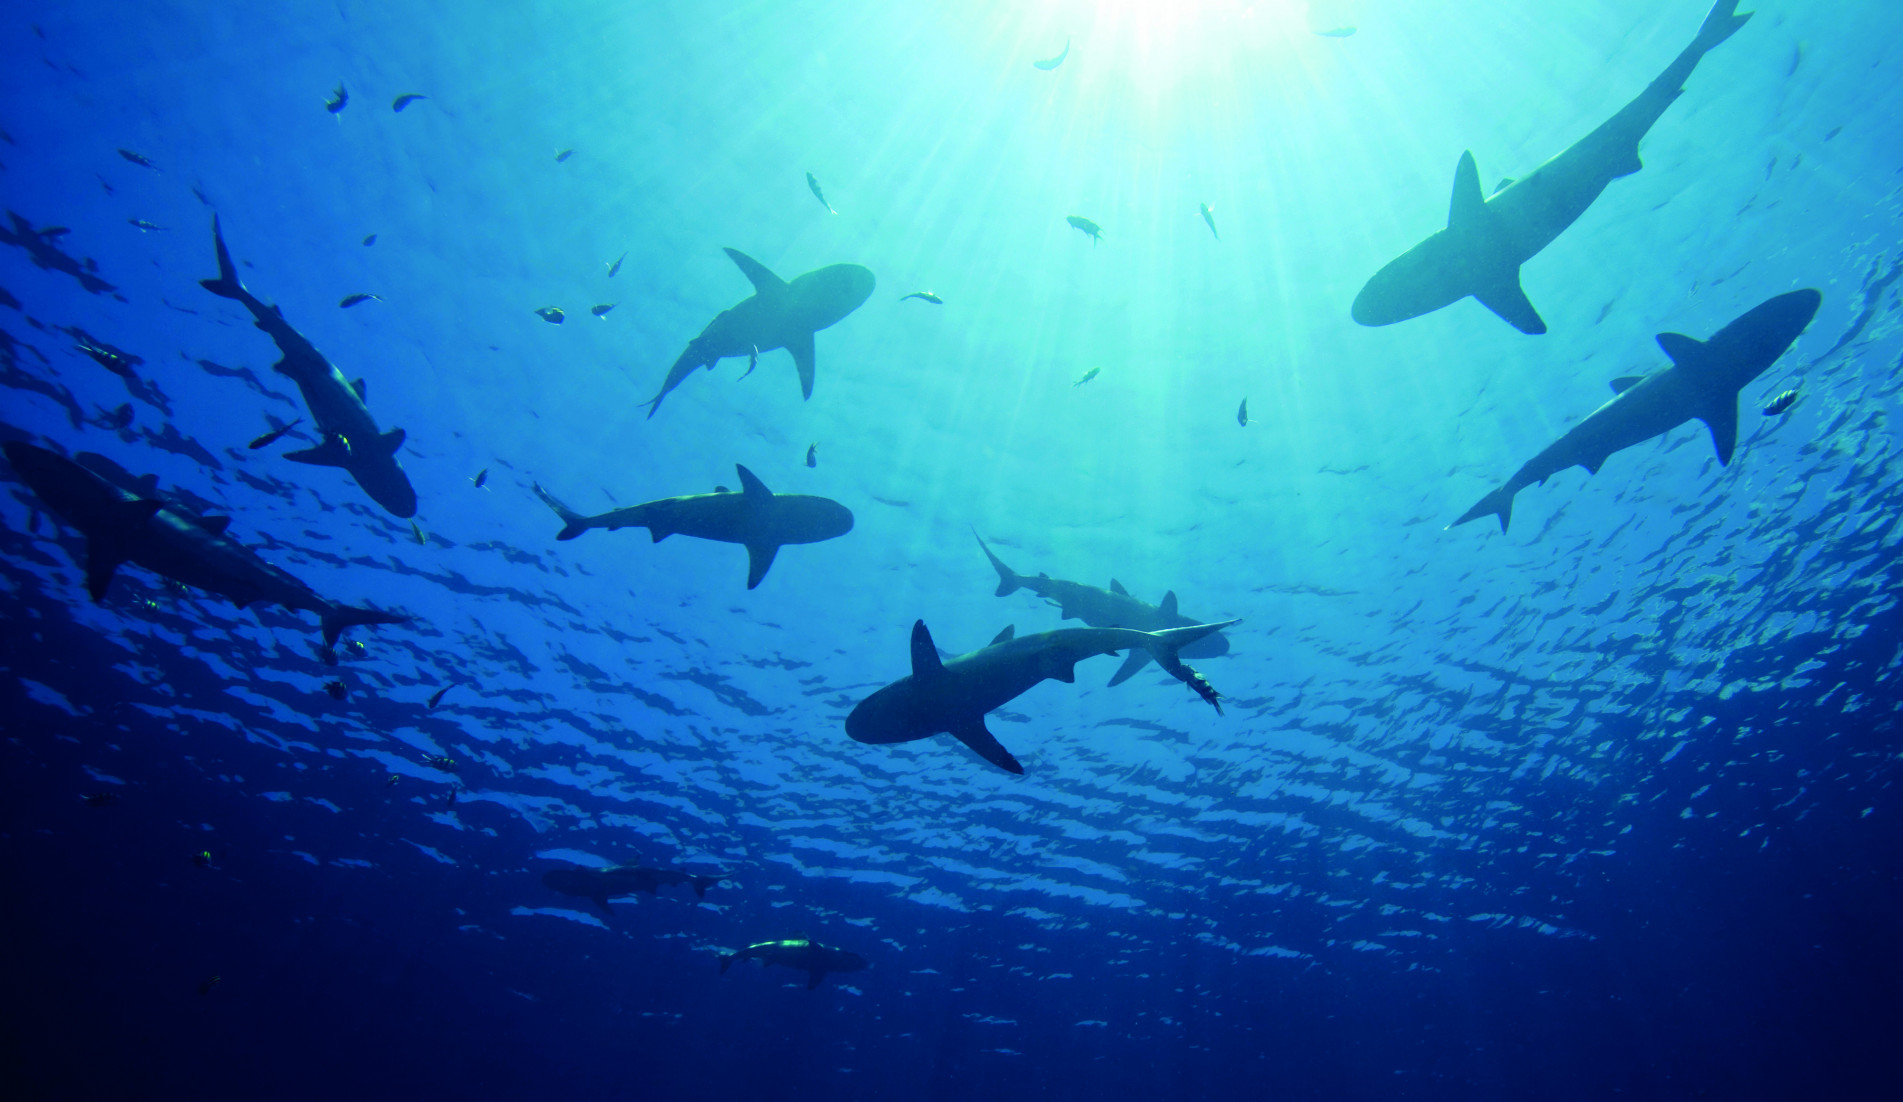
(1601, 806)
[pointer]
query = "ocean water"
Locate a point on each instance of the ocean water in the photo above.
(1600, 806)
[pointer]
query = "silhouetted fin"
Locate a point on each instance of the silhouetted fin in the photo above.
(1499, 502)
(573, 523)
(1137, 659)
(973, 734)
(363, 391)
(1508, 299)
(813, 977)
(1009, 633)
(1008, 580)
(1626, 382)
(925, 661)
(763, 280)
(1468, 207)
(702, 883)
(802, 349)
(1723, 424)
(1117, 588)
(759, 561)
(1168, 607)
(751, 485)
(214, 524)
(226, 285)
(1688, 352)
(338, 617)
(330, 453)
(726, 962)
(106, 545)
(390, 441)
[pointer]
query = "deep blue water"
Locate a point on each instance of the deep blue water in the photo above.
(1601, 806)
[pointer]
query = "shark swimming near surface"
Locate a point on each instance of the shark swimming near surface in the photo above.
(801, 953)
(778, 315)
(123, 521)
(1488, 237)
(350, 437)
(1108, 608)
(1702, 383)
(756, 517)
(601, 885)
(951, 696)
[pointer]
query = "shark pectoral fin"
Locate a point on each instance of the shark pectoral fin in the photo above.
(1065, 672)
(802, 350)
(330, 453)
(602, 902)
(1009, 633)
(1167, 608)
(1508, 299)
(973, 734)
(1137, 659)
(1626, 382)
(925, 663)
(1724, 430)
(214, 524)
(1468, 205)
(101, 561)
(763, 279)
(1117, 588)
(363, 391)
(759, 561)
(813, 977)
(389, 442)
(751, 486)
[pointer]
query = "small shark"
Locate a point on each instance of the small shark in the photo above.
(952, 696)
(1108, 608)
(778, 315)
(601, 885)
(1703, 383)
(123, 522)
(351, 439)
(801, 953)
(756, 517)
(1488, 238)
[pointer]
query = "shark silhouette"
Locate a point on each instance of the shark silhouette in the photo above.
(951, 696)
(756, 517)
(1703, 383)
(778, 315)
(1488, 238)
(601, 885)
(350, 438)
(801, 953)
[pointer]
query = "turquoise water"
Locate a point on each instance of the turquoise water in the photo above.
(1498, 783)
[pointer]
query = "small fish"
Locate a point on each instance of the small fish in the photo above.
(813, 183)
(405, 100)
(143, 225)
(1209, 216)
(416, 533)
(1053, 62)
(99, 799)
(392, 780)
(1090, 229)
(337, 100)
(202, 859)
(812, 455)
(326, 655)
(354, 648)
(211, 982)
(601, 311)
(551, 314)
(451, 800)
(121, 417)
(1337, 32)
(138, 159)
(482, 476)
(436, 697)
(1088, 375)
(564, 155)
(274, 435)
(53, 233)
(1780, 403)
(370, 240)
(616, 266)
(926, 296)
(1242, 413)
(336, 689)
(361, 296)
(112, 360)
(440, 761)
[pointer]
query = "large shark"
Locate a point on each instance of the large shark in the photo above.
(601, 885)
(1488, 238)
(1703, 383)
(779, 315)
(756, 517)
(951, 696)
(801, 953)
(350, 438)
(1108, 608)
(123, 525)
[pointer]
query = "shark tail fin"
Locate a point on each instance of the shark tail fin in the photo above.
(1009, 581)
(573, 523)
(226, 285)
(1498, 503)
(726, 962)
(338, 617)
(1721, 23)
(1165, 647)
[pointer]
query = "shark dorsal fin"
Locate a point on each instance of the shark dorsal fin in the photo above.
(764, 281)
(925, 663)
(751, 486)
(363, 391)
(1168, 607)
(1117, 588)
(1683, 351)
(1626, 382)
(214, 524)
(1009, 633)
(148, 485)
(1468, 205)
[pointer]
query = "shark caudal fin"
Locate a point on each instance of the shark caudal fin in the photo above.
(1721, 22)
(1009, 581)
(1166, 647)
(338, 617)
(1498, 503)
(226, 285)
(573, 523)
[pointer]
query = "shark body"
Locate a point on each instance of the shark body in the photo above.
(778, 315)
(799, 953)
(1702, 382)
(350, 437)
(601, 885)
(1488, 238)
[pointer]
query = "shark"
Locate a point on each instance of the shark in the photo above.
(123, 521)
(1488, 237)
(350, 437)
(778, 315)
(601, 885)
(755, 517)
(801, 953)
(951, 696)
(1108, 608)
(1702, 383)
